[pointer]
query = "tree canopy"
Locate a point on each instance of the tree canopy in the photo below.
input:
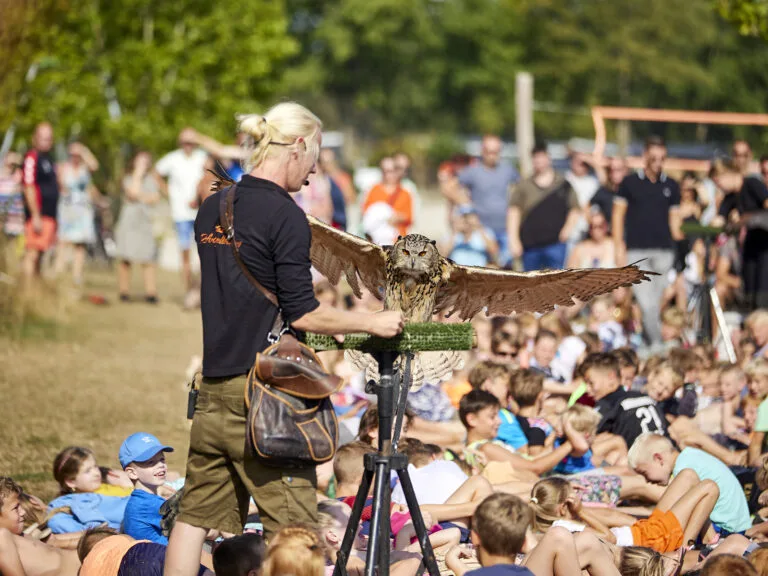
(134, 72)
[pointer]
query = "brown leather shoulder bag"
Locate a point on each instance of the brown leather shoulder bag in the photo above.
(291, 421)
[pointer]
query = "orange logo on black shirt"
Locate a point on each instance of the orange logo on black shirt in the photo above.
(217, 237)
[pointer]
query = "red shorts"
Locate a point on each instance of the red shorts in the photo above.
(43, 240)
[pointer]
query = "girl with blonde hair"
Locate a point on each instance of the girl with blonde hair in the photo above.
(295, 551)
(555, 503)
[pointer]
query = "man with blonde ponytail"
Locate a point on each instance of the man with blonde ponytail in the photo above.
(273, 238)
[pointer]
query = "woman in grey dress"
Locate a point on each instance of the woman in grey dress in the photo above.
(134, 234)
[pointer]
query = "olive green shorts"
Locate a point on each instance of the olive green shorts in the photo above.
(221, 473)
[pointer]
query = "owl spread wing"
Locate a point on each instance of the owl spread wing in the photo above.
(335, 253)
(468, 290)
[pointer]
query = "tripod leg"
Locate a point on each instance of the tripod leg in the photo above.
(418, 523)
(378, 540)
(405, 385)
(724, 334)
(354, 520)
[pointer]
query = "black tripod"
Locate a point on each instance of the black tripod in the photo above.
(704, 301)
(377, 471)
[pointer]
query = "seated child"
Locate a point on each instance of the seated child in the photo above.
(499, 528)
(442, 489)
(295, 550)
(142, 456)
(626, 414)
(526, 387)
(478, 411)
(239, 556)
(757, 373)
(585, 421)
(495, 378)
(663, 382)
(348, 467)
(26, 556)
(501, 533)
(332, 519)
(629, 367)
(433, 479)
(75, 468)
(603, 321)
(555, 502)
(81, 504)
(655, 458)
(672, 327)
(104, 552)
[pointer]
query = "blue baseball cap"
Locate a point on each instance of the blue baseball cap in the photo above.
(140, 447)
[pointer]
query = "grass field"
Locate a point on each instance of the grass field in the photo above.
(91, 375)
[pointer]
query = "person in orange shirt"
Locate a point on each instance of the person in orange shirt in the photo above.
(391, 193)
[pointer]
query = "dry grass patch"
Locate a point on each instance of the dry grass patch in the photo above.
(91, 375)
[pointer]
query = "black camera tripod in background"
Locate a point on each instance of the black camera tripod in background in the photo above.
(704, 302)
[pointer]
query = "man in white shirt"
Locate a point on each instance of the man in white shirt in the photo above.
(184, 168)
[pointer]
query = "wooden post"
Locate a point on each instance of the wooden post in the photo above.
(524, 121)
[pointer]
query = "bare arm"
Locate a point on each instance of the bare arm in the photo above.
(570, 223)
(513, 231)
(90, 160)
(552, 387)
(10, 562)
(593, 522)
(575, 257)
(754, 452)
(216, 148)
(617, 230)
(454, 191)
(538, 465)
(675, 221)
(329, 320)
(723, 273)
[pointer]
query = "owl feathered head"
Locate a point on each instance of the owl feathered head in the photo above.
(414, 255)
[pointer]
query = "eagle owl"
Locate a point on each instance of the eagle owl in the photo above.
(414, 272)
(413, 277)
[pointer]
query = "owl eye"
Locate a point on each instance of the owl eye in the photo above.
(423, 253)
(406, 252)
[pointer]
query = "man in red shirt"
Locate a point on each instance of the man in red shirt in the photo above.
(41, 198)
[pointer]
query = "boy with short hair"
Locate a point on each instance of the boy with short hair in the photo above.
(654, 457)
(479, 412)
(584, 420)
(499, 528)
(142, 456)
(672, 326)
(239, 556)
(663, 381)
(625, 413)
(500, 533)
(527, 390)
(12, 513)
(495, 378)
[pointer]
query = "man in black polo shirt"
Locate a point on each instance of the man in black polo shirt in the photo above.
(626, 414)
(645, 222)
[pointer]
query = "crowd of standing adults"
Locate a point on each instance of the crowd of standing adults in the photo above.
(595, 214)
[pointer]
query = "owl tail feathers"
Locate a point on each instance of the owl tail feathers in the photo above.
(431, 367)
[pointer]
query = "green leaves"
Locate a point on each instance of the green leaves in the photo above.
(137, 71)
(133, 73)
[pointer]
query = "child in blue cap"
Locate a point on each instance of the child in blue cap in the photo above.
(142, 456)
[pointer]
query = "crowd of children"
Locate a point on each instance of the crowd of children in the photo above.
(556, 450)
